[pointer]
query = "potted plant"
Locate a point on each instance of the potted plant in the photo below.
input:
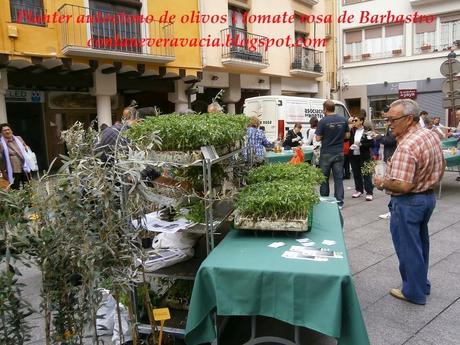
(457, 43)
(366, 55)
(397, 51)
(425, 48)
(346, 58)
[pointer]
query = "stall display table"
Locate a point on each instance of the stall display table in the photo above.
(450, 142)
(286, 155)
(243, 276)
(452, 164)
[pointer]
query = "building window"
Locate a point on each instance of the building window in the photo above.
(109, 30)
(376, 107)
(450, 31)
(374, 43)
(425, 37)
(27, 12)
(353, 45)
(394, 39)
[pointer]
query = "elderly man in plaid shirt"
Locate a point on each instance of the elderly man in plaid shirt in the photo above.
(415, 168)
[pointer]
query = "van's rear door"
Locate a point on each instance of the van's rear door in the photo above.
(269, 118)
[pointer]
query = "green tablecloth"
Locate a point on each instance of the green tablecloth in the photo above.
(286, 156)
(452, 160)
(450, 142)
(242, 276)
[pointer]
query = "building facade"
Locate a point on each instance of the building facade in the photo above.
(63, 61)
(244, 72)
(67, 61)
(379, 63)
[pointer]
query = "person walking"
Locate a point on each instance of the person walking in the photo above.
(13, 163)
(360, 153)
(332, 131)
(416, 166)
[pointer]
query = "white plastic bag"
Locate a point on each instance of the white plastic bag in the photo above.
(31, 160)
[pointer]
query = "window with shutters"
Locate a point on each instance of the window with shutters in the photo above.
(353, 45)
(374, 42)
(450, 31)
(27, 12)
(425, 37)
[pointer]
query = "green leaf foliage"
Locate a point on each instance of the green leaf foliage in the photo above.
(281, 199)
(280, 191)
(303, 173)
(190, 132)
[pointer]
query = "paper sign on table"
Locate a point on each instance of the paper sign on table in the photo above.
(328, 242)
(277, 244)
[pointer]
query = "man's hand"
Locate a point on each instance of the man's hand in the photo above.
(378, 182)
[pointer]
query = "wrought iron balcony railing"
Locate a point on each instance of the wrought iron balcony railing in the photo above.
(107, 33)
(306, 59)
(241, 45)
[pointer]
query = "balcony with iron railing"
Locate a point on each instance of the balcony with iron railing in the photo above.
(26, 14)
(107, 34)
(241, 49)
(306, 62)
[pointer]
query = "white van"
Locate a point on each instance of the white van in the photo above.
(279, 113)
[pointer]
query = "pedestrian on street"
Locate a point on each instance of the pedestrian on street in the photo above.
(416, 166)
(332, 131)
(13, 163)
(360, 153)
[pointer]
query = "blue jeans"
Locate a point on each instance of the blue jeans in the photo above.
(335, 162)
(409, 230)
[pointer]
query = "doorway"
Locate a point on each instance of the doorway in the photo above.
(27, 122)
(353, 105)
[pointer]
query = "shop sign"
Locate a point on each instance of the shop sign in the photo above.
(408, 94)
(24, 96)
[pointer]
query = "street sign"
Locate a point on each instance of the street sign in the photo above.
(447, 103)
(445, 67)
(446, 86)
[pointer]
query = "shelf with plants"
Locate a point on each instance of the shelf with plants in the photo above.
(204, 186)
(279, 197)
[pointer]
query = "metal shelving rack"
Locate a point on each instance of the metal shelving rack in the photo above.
(187, 270)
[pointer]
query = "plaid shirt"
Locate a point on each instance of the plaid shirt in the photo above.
(418, 159)
(256, 141)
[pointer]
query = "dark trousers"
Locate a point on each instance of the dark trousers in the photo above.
(19, 179)
(409, 230)
(361, 182)
(328, 162)
(346, 166)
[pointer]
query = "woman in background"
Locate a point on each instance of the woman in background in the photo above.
(360, 153)
(257, 142)
(293, 137)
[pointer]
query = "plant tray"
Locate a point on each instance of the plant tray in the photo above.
(189, 157)
(261, 224)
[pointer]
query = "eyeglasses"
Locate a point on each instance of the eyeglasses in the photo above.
(354, 120)
(388, 120)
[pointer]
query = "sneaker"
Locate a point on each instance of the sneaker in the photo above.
(385, 215)
(357, 195)
(369, 197)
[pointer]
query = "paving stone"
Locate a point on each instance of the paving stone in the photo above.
(360, 258)
(383, 331)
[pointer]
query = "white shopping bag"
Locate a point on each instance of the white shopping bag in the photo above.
(31, 160)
